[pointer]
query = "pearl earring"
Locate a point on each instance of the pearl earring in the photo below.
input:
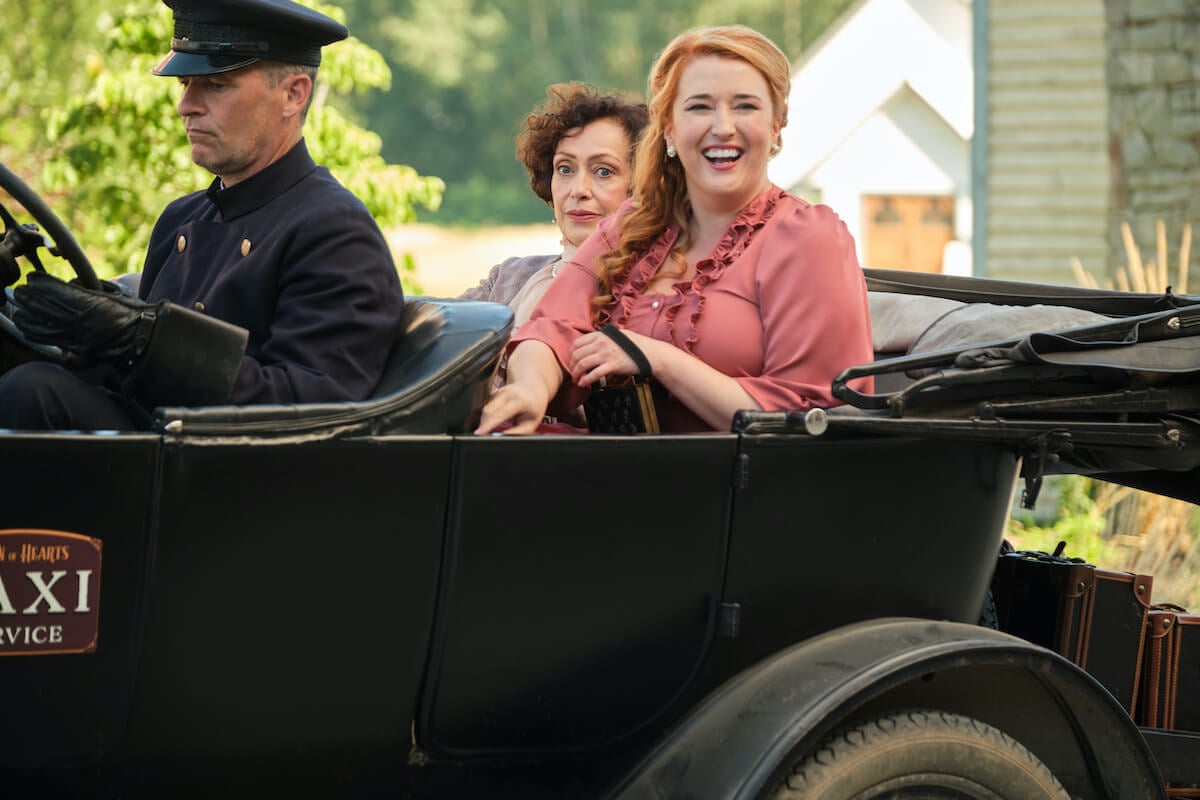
(775, 148)
(671, 151)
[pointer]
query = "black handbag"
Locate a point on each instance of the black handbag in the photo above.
(628, 408)
(622, 409)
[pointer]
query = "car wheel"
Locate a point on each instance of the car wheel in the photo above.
(925, 755)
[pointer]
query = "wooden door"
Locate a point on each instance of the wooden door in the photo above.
(906, 231)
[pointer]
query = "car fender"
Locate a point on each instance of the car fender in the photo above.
(741, 740)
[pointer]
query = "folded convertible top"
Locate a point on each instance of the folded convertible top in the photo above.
(1118, 396)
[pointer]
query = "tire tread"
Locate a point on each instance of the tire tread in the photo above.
(813, 772)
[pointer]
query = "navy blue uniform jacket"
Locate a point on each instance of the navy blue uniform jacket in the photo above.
(293, 257)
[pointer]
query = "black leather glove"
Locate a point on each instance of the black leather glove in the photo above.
(103, 325)
(164, 354)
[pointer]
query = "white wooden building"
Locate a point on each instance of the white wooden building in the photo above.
(1042, 152)
(964, 136)
(880, 125)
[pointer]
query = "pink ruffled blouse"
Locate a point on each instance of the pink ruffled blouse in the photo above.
(780, 306)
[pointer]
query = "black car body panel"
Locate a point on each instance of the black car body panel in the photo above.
(365, 599)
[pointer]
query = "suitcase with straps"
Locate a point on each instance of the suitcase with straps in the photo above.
(1095, 617)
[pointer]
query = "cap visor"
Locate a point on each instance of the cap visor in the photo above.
(181, 65)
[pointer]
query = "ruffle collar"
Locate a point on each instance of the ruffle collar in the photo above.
(688, 297)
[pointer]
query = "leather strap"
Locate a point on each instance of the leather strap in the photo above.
(631, 349)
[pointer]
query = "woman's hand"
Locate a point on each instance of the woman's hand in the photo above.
(711, 395)
(519, 403)
(533, 378)
(596, 356)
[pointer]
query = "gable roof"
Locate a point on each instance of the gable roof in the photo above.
(874, 51)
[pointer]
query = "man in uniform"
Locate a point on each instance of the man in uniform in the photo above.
(274, 285)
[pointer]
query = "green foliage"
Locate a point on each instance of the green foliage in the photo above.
(350, 67)
(112, 150)
(116, 153)
(45, 43)
(1079, 523)
(467, 72)
(391, 192)
(444, 84)
(448, 55)
(480, 201)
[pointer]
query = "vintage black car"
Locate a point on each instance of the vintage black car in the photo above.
(365, 599)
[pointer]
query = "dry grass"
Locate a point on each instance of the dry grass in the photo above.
(1144, 276)
(1152, 534)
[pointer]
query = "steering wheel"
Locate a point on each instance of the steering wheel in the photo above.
(25, 240)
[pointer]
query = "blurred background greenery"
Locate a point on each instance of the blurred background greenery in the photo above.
(465, 73)
(438, 86)
(416, 113)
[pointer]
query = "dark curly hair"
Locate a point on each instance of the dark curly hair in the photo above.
(569, 106)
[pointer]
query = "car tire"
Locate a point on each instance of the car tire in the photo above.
(920, 754)
(988, 616)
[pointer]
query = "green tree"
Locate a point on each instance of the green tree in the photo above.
(469, 70)
(1078, 523)
(46, 41)
(116, 153)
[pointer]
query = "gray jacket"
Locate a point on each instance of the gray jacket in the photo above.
(506, 279)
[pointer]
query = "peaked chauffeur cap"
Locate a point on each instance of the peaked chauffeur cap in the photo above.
(214, 36)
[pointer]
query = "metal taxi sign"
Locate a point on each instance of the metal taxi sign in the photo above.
(49, 592)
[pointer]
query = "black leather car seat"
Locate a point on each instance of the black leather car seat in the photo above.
(435, 381)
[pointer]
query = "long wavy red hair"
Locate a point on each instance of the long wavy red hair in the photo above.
(659, 183)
